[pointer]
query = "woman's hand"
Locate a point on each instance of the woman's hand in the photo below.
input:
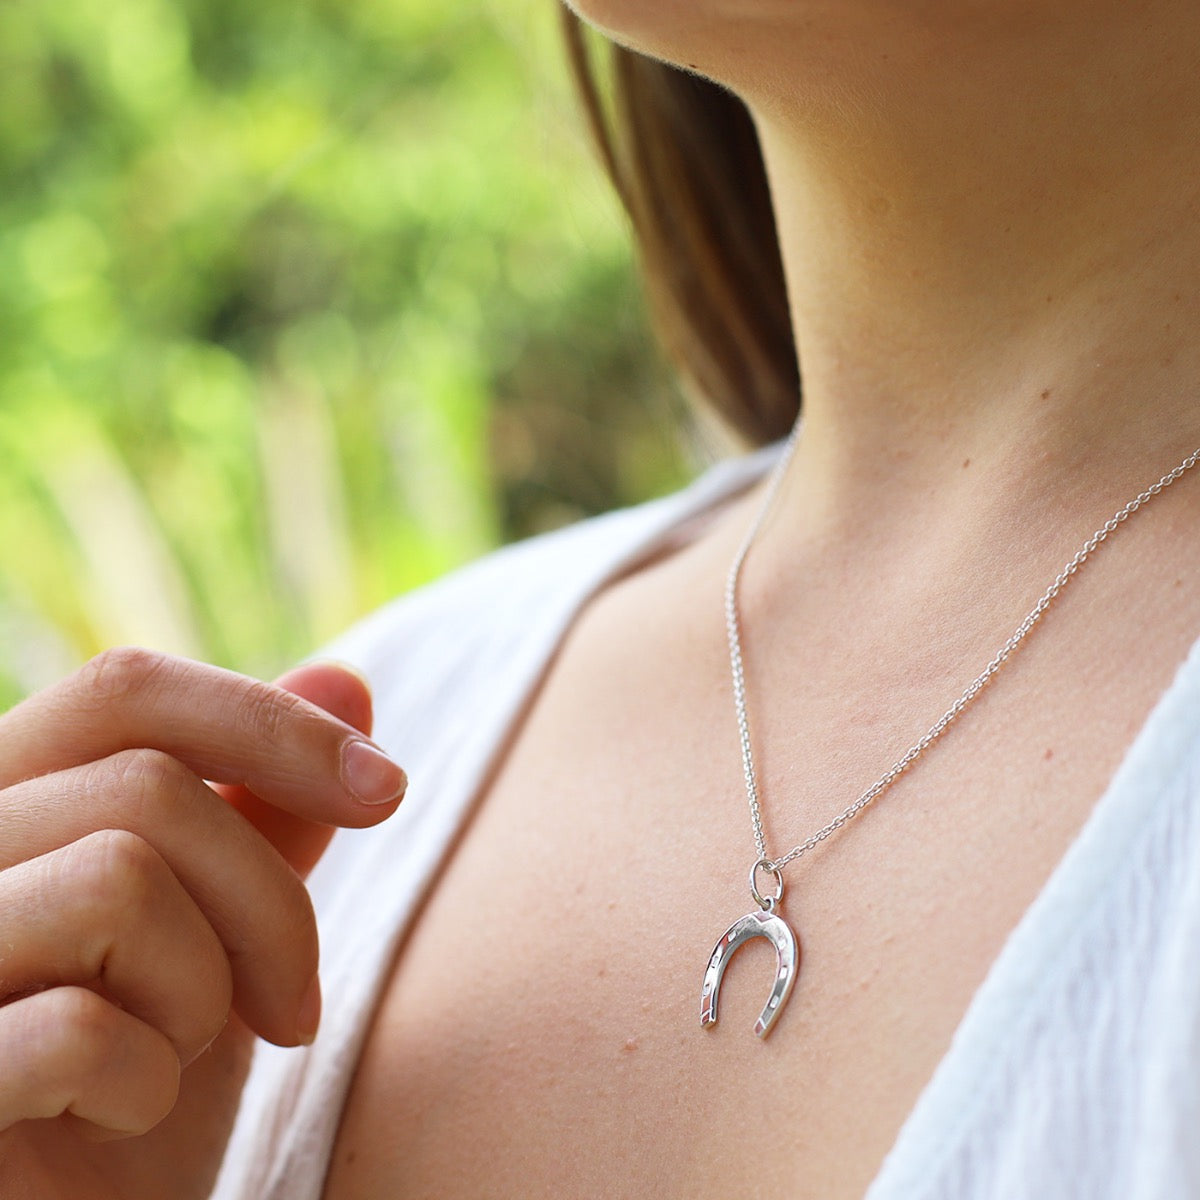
(151, 925)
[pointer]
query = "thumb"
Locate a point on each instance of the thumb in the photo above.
(343, 693)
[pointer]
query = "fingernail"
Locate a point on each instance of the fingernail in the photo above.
(369, 775)
(310, 1013)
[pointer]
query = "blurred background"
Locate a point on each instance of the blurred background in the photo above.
(302, 303)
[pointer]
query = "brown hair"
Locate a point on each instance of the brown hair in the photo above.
(684, 157)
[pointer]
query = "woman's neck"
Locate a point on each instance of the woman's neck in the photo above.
(990, 222)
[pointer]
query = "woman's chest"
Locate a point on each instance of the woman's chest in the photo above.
(540, 1032)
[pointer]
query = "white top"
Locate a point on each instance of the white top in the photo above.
(1075, 1073)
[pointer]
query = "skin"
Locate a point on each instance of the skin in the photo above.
(987, 213)
(987, 221)
(154, 925)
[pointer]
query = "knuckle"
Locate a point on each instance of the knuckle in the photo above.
(99, 1050)
(125, 882)
(120, 673)
(116, 882)
(151, 778)
(87, 1022)
(72, 1035)
(265, 711)
(118, 871)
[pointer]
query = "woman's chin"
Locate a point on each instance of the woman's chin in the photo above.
(674, 31)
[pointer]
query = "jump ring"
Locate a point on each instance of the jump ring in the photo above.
(767, 903)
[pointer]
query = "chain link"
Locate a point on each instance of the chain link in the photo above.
(948, 717)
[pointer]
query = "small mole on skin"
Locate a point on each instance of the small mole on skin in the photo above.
(966, 463)
(1046, 394)
(600, 974)
(630, 1046)
(1048, 755)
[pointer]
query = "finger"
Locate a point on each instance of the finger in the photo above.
(344, 694)
(223, 726)
(255, 903)
(108, 910)
(334, 687)
(67, 1050)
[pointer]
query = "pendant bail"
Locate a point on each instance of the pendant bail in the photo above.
(766, 903)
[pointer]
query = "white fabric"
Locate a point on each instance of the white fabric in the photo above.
(1075, 1073)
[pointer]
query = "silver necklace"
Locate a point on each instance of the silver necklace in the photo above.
(765, 921)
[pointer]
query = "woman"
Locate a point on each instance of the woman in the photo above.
(987, 226)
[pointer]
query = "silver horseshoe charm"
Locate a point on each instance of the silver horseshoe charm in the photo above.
(763, 923)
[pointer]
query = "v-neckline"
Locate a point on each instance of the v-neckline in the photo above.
(1033, 950)
(584, 562)
(1034, 953)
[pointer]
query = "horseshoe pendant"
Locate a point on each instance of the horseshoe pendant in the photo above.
(762, 923)
(778, 933)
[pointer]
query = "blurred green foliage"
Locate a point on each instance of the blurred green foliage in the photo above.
(302, 303)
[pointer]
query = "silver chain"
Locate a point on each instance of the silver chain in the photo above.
(775, 866)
